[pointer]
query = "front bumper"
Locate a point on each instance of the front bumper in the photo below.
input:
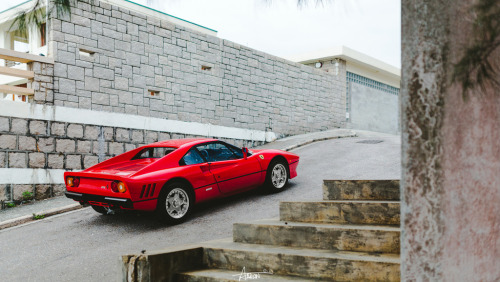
(100, 200)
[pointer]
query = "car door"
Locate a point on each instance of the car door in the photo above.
(196, 170)
(232, 172)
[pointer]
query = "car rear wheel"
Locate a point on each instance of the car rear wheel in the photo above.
(174, 203)
(277, 176)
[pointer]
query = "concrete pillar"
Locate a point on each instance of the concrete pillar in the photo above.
(450, 151)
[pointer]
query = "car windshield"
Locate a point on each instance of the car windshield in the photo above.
(153, 152)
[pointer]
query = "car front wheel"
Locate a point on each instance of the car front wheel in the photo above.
(174, 203)
(277, 176)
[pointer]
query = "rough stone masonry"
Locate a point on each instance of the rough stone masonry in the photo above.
(108, 58)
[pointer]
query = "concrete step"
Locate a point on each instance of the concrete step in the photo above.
(222, 275)
(378, 190)
(342, 212)
(358, 238)
(301, 262)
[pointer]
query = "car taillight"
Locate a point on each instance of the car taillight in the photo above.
(72, 181)
(121, 187)
(114, 186)
(118, 187)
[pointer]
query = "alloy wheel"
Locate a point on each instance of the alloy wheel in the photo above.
(177, 203)
(279, 176)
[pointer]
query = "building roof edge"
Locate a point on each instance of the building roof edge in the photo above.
(347, 54)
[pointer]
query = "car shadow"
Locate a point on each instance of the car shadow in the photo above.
(223, 203)
(140, 221)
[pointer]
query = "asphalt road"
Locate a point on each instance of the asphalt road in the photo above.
(85, 246)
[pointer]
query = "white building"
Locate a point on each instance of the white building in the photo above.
(372, 87)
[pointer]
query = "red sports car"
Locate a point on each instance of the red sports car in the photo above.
(169, 177)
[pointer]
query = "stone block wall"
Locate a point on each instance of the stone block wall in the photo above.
(49, 145)
(43, 82)
(110, 59)
(14, 192)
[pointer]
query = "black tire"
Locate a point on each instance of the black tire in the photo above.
(175, 211)
(99, 209)
(279, 170)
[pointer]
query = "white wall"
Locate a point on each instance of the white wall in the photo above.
(372, 109)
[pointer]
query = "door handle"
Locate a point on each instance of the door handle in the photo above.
(205, 167)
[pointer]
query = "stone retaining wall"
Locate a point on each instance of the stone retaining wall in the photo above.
(49, 145)
(109, 59)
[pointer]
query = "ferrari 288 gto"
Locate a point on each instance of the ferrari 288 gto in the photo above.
(169, 177)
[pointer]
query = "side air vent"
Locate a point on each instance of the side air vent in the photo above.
(152, 190)
(148, 190)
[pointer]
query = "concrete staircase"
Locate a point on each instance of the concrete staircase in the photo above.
(353, 234)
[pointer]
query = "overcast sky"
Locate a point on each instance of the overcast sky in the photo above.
(281, 28)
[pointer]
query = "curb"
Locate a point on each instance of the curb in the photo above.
(295, 146)
(28, 218)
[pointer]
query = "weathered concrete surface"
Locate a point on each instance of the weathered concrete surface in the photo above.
(356, 238)
(384, 190)
(221, 275)
(373, 109)
(319, 264)
(470, 200)
(451, 151)
(161, 265)
(342, 212)
(471, 173)
(304, 243)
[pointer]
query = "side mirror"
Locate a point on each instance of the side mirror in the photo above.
(245, 152)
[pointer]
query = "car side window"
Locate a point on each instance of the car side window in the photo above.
(216, 152)
(236, 151)
(153, 152)
(192, 157)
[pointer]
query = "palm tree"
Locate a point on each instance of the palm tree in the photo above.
(475, 68)
(38, 12)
